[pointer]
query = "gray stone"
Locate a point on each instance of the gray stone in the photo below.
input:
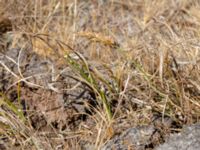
(188, 139)
(134, 138)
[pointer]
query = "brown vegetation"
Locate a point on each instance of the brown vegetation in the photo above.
(77, 73)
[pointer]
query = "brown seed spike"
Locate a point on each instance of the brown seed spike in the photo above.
(5, 25)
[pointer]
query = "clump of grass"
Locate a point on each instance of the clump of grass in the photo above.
(92, 78)
(5, 102)
(12, 120)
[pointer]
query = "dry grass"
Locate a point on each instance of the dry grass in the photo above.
(148, 50)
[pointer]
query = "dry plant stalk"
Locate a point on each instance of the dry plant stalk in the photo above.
(97, 37)
(48, 47)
